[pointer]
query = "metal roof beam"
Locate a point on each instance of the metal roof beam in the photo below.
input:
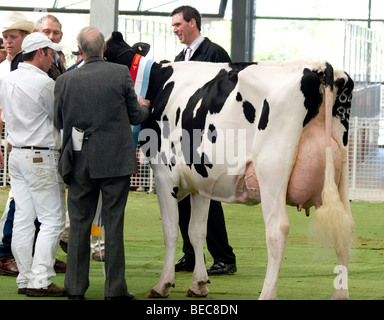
(55, 9)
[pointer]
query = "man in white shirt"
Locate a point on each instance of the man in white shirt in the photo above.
(26, 98)
(14, 28)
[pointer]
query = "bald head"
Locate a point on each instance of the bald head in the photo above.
(91, 42)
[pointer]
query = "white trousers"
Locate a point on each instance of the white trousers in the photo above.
(39, 193)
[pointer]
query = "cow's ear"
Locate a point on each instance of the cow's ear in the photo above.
(117, 35)
(141, 48)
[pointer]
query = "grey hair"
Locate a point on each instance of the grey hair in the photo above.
(46, 17)
(91, 42)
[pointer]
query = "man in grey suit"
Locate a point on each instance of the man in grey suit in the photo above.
(99, 100)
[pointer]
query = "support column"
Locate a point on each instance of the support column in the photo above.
(104, 15)
(242, 30)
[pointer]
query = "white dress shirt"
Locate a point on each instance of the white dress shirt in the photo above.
(194, 45)
(5, 68)
(26, 98)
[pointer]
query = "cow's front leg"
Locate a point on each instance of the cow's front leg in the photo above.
(170, 219)
(197, 232)
(277, 229)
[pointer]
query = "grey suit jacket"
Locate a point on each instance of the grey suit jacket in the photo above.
(99, 99)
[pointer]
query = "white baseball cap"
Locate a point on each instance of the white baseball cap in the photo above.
(37, 40)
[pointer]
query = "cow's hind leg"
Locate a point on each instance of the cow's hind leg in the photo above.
(277, 229)
(342, 248)
(197, 234)
(170, 218)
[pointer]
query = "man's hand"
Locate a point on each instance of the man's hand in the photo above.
(144, 102)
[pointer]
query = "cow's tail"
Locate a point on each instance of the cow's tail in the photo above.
(332, 222)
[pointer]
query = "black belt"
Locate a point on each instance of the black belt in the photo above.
(36, 148)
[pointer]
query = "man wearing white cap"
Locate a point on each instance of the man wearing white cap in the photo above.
(26, 98)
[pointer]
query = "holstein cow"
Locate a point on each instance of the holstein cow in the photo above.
(274, 133)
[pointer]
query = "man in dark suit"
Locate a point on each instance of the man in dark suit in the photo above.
(99, 100)
(186, 22)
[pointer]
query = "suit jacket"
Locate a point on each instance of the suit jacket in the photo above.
(207, 51)
(99, 99)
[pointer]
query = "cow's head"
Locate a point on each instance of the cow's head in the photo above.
(119, 51)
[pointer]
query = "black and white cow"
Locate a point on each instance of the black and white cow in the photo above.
(274, 133)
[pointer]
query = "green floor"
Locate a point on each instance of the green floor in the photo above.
(306, 272)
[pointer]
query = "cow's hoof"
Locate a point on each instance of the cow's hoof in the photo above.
(163, 292)
(198, 291)
(340, 294)
(153, 294)
(190, 293)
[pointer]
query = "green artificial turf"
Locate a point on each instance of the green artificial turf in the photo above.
(306, 272)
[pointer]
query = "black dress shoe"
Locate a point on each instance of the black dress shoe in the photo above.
(185, 264)
(128, 296)
(221, 268)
